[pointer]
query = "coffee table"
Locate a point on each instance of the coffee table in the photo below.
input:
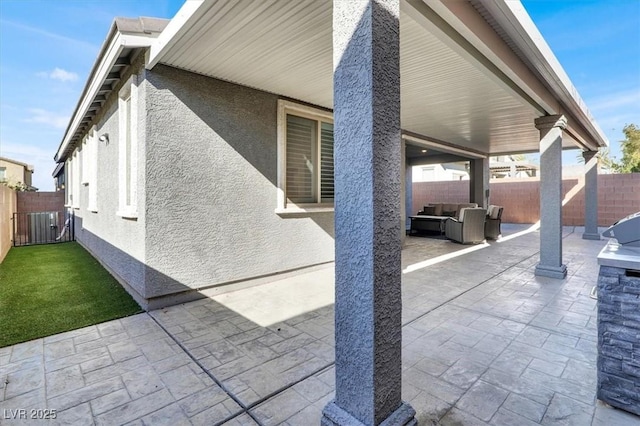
(427, 223)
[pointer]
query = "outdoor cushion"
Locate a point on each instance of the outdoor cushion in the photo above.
(429, 210)
(438, 210)
(495, 212)
(461, 214)
(490, 210)
(463, 206)
(447, 207)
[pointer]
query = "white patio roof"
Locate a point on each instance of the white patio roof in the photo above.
(473, 74)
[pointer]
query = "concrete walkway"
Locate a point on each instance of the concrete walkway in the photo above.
(485, 342)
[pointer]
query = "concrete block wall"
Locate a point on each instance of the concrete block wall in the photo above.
(30, 202)
(618, 196)
(7, 207)
(519, 197)
(454, 192)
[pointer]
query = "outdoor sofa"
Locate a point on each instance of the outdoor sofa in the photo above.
(468, 228)
(434, 216)
(493, 221)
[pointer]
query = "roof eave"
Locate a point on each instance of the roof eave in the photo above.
(94, 70)
(516, 22)
(116, 41)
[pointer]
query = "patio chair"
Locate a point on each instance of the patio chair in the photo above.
(469, 228)
(492, 229)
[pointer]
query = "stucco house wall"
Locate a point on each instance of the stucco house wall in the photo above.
(211, 187)
(117, 242)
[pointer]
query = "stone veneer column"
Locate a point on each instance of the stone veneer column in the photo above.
(368, 169)
(551, 128)
(479, 175)
(590, 196)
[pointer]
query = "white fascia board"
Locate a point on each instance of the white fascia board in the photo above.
(190, 12)
(119, 42)
(429, 143)
(513, 17)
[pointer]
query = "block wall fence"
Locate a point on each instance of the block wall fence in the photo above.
(618, 196)
(31, 202)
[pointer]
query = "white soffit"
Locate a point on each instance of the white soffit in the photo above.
(503, 32)
(285, 47)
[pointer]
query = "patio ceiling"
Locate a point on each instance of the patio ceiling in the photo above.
(464, 80)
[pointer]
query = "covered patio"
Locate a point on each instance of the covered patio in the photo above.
(485, 341)
(470, 79)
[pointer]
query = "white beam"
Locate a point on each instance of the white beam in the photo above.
(190, 12)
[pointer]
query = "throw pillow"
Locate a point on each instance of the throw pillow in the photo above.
(429, 210)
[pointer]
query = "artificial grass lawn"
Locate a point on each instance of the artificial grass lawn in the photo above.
(53, 288)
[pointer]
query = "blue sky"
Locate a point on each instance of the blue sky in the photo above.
(47, 49)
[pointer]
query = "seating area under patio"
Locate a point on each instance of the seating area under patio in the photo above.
(485, 341)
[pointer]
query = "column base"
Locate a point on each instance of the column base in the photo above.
(591, 236)
(333, 415)
(559, 272)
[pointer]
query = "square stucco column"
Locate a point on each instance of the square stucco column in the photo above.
(368, 170)
(590, 196)
(479, 175)
(407, 199)
(551, 128)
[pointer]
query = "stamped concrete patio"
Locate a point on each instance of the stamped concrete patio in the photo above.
(485, 342)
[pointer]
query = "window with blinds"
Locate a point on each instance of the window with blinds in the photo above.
(301, 159)
(305, 159)
(309, 160)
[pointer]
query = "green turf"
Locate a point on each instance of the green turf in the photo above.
(49, 289)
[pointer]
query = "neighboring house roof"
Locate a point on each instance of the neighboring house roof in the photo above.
(520, 166)
(475, 75)
(458, 167)
(125, 35)
(506, 164)
(58, 170)
(28, 167)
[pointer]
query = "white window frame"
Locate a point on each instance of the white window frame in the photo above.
(68, 179)
(84, 153)
(91, 169)
(128, 189)
(285, 206)
(75, 175)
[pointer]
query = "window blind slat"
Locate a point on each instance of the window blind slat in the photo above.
(326, 162)
(301, 134)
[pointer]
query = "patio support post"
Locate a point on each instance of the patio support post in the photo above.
(551, 128)
(368, 170)
(590, 196)
(407, 205)
(479, 175)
